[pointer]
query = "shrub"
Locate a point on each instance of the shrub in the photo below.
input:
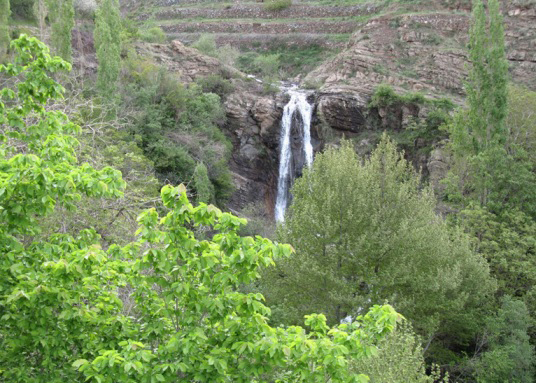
(216, 84)
(22, 9)
(153, 35)
(245, 62)
(207, 45)
(178, 126)
(228, 54)
(85, 9)
(203, 187)
(277, 5)
(267, 65)
(399, 360)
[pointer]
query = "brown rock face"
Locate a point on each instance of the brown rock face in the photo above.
(423, 52)
(253, 125)
(187, 62)
(252, 122)
(343, 110)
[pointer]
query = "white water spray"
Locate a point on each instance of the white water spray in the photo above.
(297, 104)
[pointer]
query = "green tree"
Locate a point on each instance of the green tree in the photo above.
(479, 134)
(107, 36)
(46, 293)
(4, 28)
(493, 176)
(365, 232)
(399, 359)
(510, 355)
(61, 16)
(203, 187)
(164, 308)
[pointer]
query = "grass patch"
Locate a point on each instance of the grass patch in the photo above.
(277, 5)
(385, 95)
(293, 60)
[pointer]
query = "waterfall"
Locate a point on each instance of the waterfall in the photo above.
(297, 105)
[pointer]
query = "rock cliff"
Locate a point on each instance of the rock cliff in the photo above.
(421, 49)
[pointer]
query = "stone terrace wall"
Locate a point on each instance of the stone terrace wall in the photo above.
(258, 12)
(335, 27)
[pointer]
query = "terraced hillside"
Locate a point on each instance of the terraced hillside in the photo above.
(250, 24)
(306, 32)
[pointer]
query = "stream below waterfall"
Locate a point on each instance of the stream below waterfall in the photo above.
(297, 116)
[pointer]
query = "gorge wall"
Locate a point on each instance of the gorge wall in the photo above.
(413, 51)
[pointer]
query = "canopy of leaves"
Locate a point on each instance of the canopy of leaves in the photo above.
(364, 232)
(164, 308)
(178, 126)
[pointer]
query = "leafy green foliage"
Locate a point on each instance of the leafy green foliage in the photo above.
(510, 356)
(4, 28)
(164, 308)
(22, 9)
(153, 35)
(178, 127)
(384, 96)
(216, 84)
(479, 135)
(41, 282)
(197, 327)
(267, 65)
(508, 242)
(399, 360)
(371, 234)
(61, 16)
(106, 141)
(277, 5)
(492, 183)
(228, 54)
(202, 185)
(108, 45)
(493, 177)
(206, 45)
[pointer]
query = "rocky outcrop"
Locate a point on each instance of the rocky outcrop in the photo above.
(343, 110)
(421, 51)
(438, 166)
(424, 52)
(187, 62)
(253, 126)
(252, 122)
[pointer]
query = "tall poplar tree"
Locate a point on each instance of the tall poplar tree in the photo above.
(493, 181)
(40, 11)
(108, 45)
(4, 28)
(479, 134)
(61, 16)
(203, 187)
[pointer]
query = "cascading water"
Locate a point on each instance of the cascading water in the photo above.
(297, 105)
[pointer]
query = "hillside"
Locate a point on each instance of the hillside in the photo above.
(396, 32)
(412, 46)
(185, 183)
